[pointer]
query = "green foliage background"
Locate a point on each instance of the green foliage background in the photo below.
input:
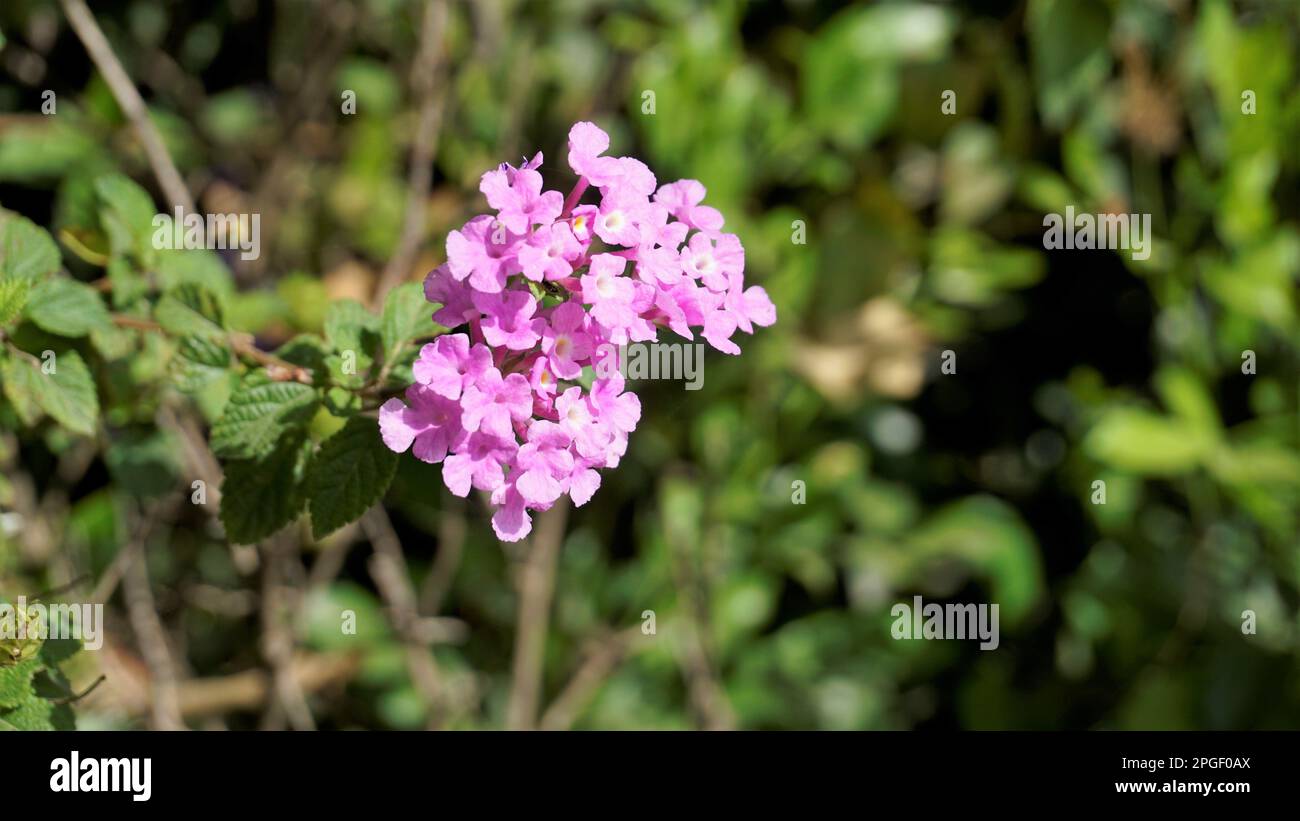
(886, 232)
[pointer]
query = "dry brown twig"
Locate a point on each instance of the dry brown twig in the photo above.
(279, 370)
(424, 75)
(451, 546)
(164, 705)
(536, 590)
(708, 699)
(388, 567)
(603, 659)
(281, 186)
(203, 698)
(128, 98)
(278, 634)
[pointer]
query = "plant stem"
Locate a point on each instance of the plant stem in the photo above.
(128, 98)
(536, 588)
(243, 344)
(579, 188)
(420, 177)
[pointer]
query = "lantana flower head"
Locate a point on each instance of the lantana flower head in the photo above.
(544, 288)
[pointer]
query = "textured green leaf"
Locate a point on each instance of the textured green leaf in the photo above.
(407, 316)
(36, 713)
(350, 327)
(26, 250)
(258, 414)
(260, 496)
(190, 309)
(66, 307)
(68, 394)
(16, 682)
(307, 350)
(13, 296)
(351, 472)
(199, 361)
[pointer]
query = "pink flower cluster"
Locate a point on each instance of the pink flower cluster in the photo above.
(545, 287)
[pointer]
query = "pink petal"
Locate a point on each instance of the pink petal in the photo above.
(395, 427)
(583, 485)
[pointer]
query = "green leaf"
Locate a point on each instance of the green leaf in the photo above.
(56, 651)
(66, 307)
(1144, 442)
(258, 414)
(36, 713)
(37, 148)
(113, 343)
(128, 283)
(407, 316)
(1185, 395)
(197, 266)
(348, 370)
(850, 69)
(350, 327)
(68, 394)
(16, 682)
(1070, 53)
(26, 250)
(18, 377)
(190, 309)
(990, 536)
(307, 350)
(144, 463)
(127, 215)
(260, 496)
(351, 472)
(13, 296)
(199, 361)
(900, 31)
(342, 402)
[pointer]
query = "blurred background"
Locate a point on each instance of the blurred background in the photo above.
(700, 587)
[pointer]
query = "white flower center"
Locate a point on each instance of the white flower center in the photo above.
(605, 285)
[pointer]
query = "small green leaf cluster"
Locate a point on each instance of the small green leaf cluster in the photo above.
(293, 428)
(34, 693)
